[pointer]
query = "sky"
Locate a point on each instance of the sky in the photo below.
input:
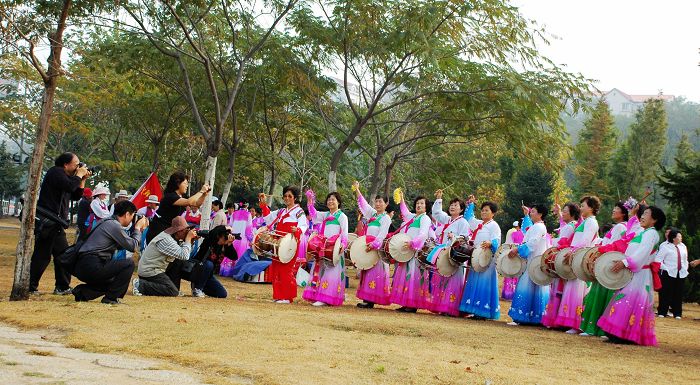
(638, 47)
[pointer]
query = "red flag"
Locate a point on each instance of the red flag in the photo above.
(150, 187)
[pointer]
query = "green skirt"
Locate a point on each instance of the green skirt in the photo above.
(593, 307)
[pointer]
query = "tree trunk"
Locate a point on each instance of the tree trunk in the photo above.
(273, 179)
(156, 154)
(376, 174)
(229, 177)
(20, 286)
(209, 178)
(388, 175)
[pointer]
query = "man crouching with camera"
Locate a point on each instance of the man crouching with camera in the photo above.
(95, 266)
(166, 260)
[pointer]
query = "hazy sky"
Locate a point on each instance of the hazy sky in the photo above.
(639, 47)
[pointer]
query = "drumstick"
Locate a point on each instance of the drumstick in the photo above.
(648, 192)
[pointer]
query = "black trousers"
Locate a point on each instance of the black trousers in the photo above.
(109, 278)
(158, 285)
(50, 240)
(671, 294)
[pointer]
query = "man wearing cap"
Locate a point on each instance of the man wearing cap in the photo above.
(160, 252)
(149, 211)
(122, 195)
(83, 213)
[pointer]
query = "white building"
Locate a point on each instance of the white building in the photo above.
(625, 104)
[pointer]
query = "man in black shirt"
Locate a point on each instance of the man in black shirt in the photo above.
(83, 212)
(62, 183)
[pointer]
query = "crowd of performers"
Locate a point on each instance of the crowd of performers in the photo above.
(570, 305)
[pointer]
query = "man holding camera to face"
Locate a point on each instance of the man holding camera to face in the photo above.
(62, 183)
(96, 265)
(166, 260)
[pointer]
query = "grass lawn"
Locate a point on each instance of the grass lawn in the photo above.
(247, 337)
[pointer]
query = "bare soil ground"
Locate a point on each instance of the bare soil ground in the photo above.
(246, 336)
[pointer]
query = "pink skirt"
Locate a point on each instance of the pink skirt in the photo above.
(330, 288)
(446, 293)
(375, 285)
(630, 313)
(509, 285)
(410, 286)
(552, 309)
(571, 306)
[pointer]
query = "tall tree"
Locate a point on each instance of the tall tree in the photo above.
(592, 153)
(24, 26)
(532, 184)
(646, 145)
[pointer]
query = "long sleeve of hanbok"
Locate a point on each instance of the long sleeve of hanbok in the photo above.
(533, 235)
(469, 216)
(365, 208)
(419, 240)
(269, 216)
(636, 257)
(98, 209)
(438, 214)
(590, 232)
(343, 220)
(406, 214)
(384, 225)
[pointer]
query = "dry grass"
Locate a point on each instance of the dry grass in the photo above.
(247, 336)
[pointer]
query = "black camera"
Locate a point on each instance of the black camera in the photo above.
(137, 217)
(91, 169)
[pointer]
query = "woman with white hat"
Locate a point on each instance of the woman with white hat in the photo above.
(375, 284)
(149, 211)
(446, 292)
(98, 207)
(480, 297)
(630, 314)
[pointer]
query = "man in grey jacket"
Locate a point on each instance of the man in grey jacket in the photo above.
(160, 252)
(103, 275)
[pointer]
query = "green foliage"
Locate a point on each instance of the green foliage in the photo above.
(531, 184)
(10, 174)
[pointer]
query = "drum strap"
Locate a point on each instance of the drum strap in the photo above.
(405, 225)
(444, 229)
(282, 215)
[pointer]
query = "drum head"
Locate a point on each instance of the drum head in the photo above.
(336, 252)
(481, 259)
(287, 248)
(446, 267)
(503, 250)
(259, 231)
(604, 274)
(564, 270)
(578, 264)
(397, 250)
(363, 259)
(352, 237)
(535, 272)
(509, 267)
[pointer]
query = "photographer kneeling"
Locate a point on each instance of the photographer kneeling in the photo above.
(95, 266)
(165, 262)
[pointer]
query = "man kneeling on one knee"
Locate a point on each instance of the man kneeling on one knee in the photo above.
(161, 265)
(95, 266)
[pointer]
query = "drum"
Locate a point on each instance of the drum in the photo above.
(330, 251)
(537, 272)
(397, 250)
(583, 263)
(360, 257)
(604, 274)
(274, 244)
(549, 257)
(506, 266)
(445, 265)
(383, 251)
(461, 250)
(564, 269)
(422, 254)
(481, 259)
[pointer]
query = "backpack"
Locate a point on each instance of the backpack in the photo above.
(69, 257)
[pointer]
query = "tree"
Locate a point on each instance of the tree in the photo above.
(532, 184)
(680, 187)
(592, 153)
(22, 26)
(646, 143)
(10, 174)
(216, 41)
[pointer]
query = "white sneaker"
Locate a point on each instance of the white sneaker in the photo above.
(135, 284)
(678, 317)
(318, 303)
(572, 331)
(283, 301)
(604, 338)
(198, 293)
(512, 323)
(662, 316)
(584, 334)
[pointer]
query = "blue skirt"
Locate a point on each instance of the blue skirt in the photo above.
(480, 295)
(529, 301)
(246, 267)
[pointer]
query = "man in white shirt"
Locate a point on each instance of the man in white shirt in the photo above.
(673, 257)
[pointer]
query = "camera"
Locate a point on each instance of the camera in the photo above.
(204, 233)
(91, 169)
(137, 217)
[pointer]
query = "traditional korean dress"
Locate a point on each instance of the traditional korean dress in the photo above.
(598, 296)
(530, 300)
(480, 296)
(283, 275)
(241, 223)
(571, 307)
(556, 288)
(630, 313)
(509, 283)
(446, 292)
(327, 283)
(410, 286)
(375, 285)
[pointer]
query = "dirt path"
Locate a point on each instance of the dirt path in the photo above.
(28, 358)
